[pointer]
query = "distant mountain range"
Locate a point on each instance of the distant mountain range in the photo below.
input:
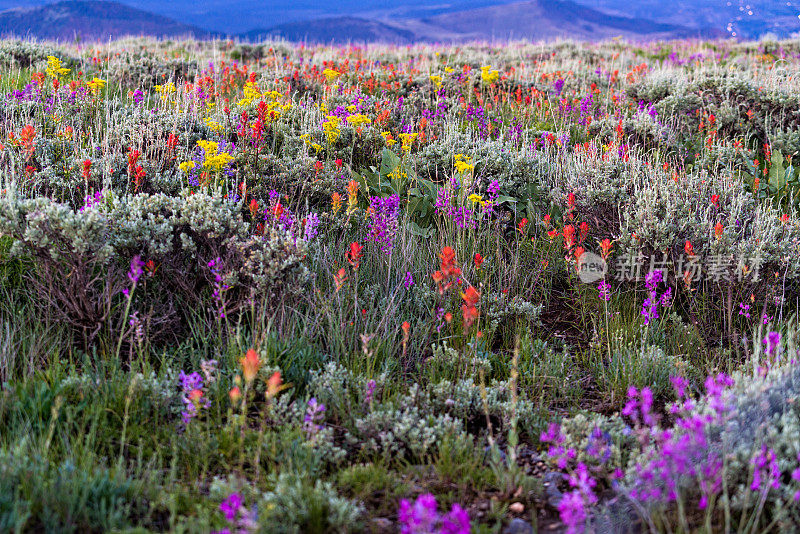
(747, 19)
(416, 20)
(91, 20)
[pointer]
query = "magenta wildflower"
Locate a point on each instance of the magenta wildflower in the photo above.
(384, 224)
(368, 398)
(241, 519)
(744, 310)
(422, 517)
(572, 512)
(408, 280)
(456, 521)
(772, 340)
(315, 413)
(604, 290)
(134, 274)
(766, 472)
(230, 506)
(419, 518)
(91, 201)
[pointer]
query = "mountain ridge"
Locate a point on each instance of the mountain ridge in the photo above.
(90, 19)
(458, 21)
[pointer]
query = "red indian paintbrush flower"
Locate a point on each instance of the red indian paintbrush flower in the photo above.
(354, 255)
(605, 248)
(87, 167)
(469, 308)
(250, 365)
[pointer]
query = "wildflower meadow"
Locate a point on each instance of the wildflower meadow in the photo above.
(489, 288)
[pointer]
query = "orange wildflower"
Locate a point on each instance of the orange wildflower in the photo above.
(250, 365)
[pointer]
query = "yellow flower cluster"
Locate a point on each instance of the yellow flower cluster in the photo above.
(165, 89)
(251, 92)
(387, 137)
(463, 163)
(488, 75)
(330, 74)
(213, 158)
(187, 166)
(214, 126)
(54, 68)
(397, 173)
(437, 81)
(331, 128)
(477, 199)
(96, 84)
(358, 120)
(407, 139)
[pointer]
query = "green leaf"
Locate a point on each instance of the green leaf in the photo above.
(389, 161)
(416, 229)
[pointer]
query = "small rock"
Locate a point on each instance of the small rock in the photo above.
(518, 526)
(381, 524)
(517, 507)
(551, 481)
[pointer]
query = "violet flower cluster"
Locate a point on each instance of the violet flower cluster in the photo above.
(241, 520)
(220, 286)
(423, 517)
(192, 387)
(384, 223)
(137, 268)
(315, 413)
(651, 303)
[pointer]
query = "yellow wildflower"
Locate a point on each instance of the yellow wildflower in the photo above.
(488, 75)
(166, 88)
(358, 120)
(213, 158)
(463, 163)
(186, 166)
(477, 199)
(54, 68)
(331, 128)
(407, 139)
(387, 136)
(214, 126)
(96, 84)
(330, 74)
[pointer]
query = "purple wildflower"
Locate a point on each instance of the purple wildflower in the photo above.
(385, 211)
(370, 392)
(311, 228)
(314, 415)
(772, 340)
(744, 310)
(604, 290)
(408, 281)
(419, 518)
(135, 273)
(230, 506)
(422, 517)
(572, 512)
